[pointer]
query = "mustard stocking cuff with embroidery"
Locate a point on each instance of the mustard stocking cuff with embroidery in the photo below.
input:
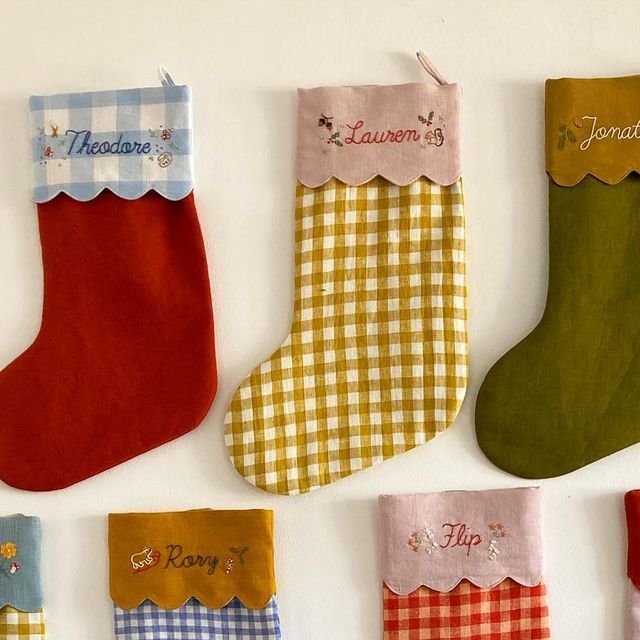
(376, 360)
(206, 573)
(569, 393)
(21, 598)
(463, 564)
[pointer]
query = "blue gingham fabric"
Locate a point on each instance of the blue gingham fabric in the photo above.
(129, 141)
(194, 621)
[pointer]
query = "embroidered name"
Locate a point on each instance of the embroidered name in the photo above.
(178, 559)
(359, 134)
(81, 142)
(458, 535)
(380, 137)
(628, 132)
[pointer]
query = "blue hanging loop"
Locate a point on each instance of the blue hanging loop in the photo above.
(165, 78)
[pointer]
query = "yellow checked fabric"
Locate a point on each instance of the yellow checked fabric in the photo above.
(19, 625)
(376, 361)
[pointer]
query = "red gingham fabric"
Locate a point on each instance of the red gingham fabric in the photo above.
(507, 611)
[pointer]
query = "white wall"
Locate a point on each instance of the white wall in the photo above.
(244, 59)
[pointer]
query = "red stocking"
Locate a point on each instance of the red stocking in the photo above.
(125, 359)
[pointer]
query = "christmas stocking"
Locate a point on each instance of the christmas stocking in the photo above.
(632, 508)
(206, 575)
(463, 564)
(21, 615)
(376, 362)
(124, 360)
(569, 393)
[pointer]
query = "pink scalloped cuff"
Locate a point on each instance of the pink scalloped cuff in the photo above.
(438, 539)
(400, 132)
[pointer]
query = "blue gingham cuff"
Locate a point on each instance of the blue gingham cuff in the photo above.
(129, 141)
(194, 620)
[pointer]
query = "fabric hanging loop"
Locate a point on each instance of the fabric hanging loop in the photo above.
(426, 64)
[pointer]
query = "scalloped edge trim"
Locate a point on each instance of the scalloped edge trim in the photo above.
(168, 604)
(100, 189)
(474, 581)
(399, 182)
(13, 605)
(582, 176)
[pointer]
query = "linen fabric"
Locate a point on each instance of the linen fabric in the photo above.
(128, 141)
(592, 127)
(193, 620)
(632, 512)
(508, 611)
(463, 564)
(438, 539)
(20, 570)
(21, 625)
(399, 132)
(210, 555)
(125, 358)
(567, 394)
(376, 360)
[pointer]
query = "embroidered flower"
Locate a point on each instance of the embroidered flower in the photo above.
(14, 568)
(8, 550)
(577, 122)
(166, 134)
(228, 567)
(497, 530)
(47, 151)
(422, 540)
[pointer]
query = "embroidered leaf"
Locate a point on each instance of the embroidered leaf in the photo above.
(431, 114)
(339, 143)
(561, 142)
(571, 137)
(422, 119)
(335, 135)
(239, 552)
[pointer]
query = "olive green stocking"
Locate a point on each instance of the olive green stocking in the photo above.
(569, 393)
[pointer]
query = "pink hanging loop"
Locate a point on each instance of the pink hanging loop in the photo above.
(429, 68)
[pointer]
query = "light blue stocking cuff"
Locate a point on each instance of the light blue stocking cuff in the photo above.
(129, 141)
(20, 579)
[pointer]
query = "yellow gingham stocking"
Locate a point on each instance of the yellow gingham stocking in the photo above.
(376, 361)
